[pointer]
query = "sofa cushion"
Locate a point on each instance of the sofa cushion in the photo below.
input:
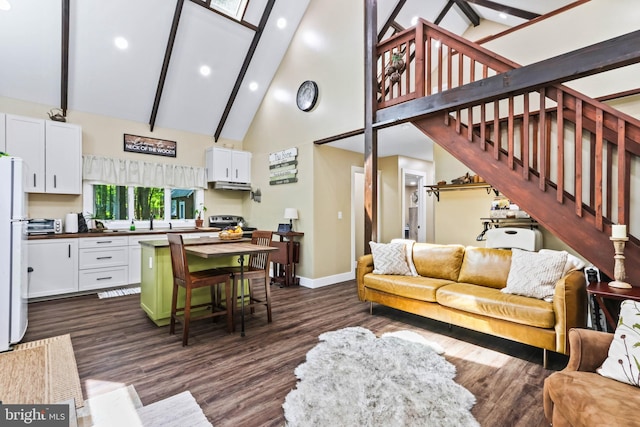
(493, 303)
(485, 266)
(389, 258)
(419, 288)
(438, 261)
(588, 399)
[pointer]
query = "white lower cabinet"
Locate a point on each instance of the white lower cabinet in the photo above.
(103, 262)
(135, 251)
(55, 267)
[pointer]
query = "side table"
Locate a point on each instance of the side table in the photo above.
(601, 291)
(285, 259)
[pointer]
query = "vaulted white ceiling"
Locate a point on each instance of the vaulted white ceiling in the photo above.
(123, 83)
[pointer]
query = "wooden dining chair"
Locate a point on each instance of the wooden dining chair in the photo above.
(256, 270)
(183, 278)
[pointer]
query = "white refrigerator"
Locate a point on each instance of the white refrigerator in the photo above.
(13, 252)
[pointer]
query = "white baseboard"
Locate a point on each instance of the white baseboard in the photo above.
(327, 280)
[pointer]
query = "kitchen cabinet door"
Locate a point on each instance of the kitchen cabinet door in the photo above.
(55, 267)
(241, 166)
(63, 158)
(3, 140)
(218, 164)
(25, 137)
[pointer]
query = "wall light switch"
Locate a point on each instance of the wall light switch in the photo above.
(339, 214)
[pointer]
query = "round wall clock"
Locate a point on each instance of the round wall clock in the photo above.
(307, 95)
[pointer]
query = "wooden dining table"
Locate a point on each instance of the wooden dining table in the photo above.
(241, 249)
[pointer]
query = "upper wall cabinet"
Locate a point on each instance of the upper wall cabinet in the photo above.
(25, 139)
(63, 156)
(51, 150)
(224, 164)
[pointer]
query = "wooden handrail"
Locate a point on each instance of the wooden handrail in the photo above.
(579, 148)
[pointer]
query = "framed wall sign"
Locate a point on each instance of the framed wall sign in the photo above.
(146, 145)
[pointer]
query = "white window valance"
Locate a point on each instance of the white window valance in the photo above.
(107, 170)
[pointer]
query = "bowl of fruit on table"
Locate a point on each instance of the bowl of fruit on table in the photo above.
(231, 233)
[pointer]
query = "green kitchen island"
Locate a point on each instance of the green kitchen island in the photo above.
(156, 281)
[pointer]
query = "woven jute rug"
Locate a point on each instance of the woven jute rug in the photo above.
(43, 371)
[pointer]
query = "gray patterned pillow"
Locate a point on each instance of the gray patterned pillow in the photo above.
(534, 274)
(389, 258)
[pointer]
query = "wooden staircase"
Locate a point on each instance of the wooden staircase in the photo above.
(564, 158)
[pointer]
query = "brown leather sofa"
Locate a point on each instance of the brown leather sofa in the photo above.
(578, 396)
(461, 286)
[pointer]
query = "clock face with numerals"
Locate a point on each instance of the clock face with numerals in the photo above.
(307, 95)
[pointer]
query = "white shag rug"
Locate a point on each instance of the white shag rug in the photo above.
(353, 378)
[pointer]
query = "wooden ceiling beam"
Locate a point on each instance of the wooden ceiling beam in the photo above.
(443, 12)
(165, 64)
(468, 12)
(505, 9)
(64, 60)
(598, 58)
(245, 67)
(391, 20)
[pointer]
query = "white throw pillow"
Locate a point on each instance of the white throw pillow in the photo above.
(534, 274)
(624, 352)
(409, 249)
(573, 262)
(389, 258)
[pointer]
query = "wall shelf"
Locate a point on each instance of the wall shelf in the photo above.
(436, 189)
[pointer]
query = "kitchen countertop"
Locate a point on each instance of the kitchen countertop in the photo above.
(124, 233)
(192, 241)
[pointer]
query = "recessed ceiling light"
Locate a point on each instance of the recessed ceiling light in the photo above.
(414, 20)
(281, 23)
(253, 86)
(502, 15)
(121, 43)
(5, 5)
(205, 70)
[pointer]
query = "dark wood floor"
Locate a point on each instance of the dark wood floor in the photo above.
(243, 381)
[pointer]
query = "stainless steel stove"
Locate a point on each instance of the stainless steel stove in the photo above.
(222, 221)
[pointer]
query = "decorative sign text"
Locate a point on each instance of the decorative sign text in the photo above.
(146, 145)
(283, 167)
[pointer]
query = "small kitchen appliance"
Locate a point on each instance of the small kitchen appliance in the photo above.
(44, 226)
(13, 252)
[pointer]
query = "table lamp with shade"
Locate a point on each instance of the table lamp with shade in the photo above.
(291, 214)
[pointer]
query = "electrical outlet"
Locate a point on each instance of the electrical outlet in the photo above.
(339, 214)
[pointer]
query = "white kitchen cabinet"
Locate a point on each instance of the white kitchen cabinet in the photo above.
(135, 259)
(51, 150)
(55, 267)
(224, 164)
(63, 158)
(103, 262)
(25, 138)
(3, 139)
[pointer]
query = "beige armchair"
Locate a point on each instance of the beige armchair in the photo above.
(578, 396)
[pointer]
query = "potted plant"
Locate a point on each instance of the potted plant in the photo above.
(199, 213)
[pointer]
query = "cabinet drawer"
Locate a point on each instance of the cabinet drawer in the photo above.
(101, 242)
(99, 278)
(103, 257)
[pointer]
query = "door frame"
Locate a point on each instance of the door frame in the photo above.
(359, 170)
